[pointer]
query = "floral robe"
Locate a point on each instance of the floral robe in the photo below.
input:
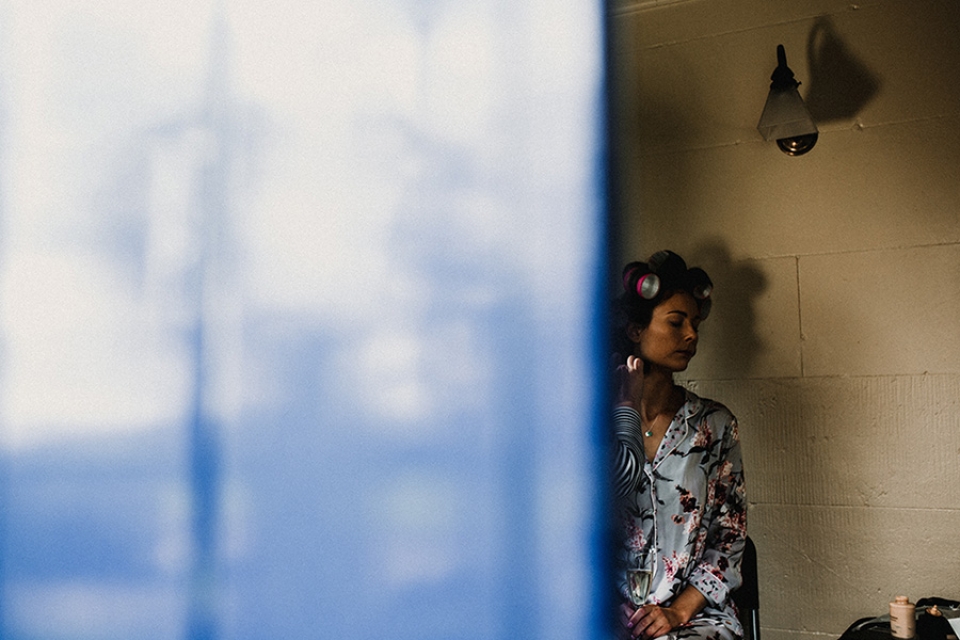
(686, 510)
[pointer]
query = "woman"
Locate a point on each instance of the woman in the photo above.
(678, 477)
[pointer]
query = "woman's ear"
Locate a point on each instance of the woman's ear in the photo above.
(634, 332)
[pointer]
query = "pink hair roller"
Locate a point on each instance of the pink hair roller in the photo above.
(648, 286)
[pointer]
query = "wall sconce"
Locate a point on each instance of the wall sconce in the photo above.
(785, 118)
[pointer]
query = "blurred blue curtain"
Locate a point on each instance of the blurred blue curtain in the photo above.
(301, 319)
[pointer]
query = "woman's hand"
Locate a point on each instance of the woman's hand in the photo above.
(650, 621)
(630, 389)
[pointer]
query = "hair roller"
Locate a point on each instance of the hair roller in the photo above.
(656, 260)
(702, 286)
(705, 305)
(647, 285)
(628, 273)
(664, 273)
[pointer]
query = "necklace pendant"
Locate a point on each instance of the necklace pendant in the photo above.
(648, 434)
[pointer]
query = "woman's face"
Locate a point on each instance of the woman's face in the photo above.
(670, 340)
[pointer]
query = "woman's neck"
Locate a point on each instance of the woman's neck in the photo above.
(660, 396)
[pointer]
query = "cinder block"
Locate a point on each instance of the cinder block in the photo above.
(667, 21)
(718, 102)
(769, 413)
(883, 441)
(696, 74)
(890, 312)
(857, 190)
(821, 568)
(891, 442)
(754, 326)
(906, 48)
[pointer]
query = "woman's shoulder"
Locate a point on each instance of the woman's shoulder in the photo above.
(711, 421)
(700, 408)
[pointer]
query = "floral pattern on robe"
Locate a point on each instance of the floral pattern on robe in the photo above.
(686, 511)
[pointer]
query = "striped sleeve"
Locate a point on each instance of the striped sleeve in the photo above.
(628, 457)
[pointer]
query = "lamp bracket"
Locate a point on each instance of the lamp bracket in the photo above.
(782, 78)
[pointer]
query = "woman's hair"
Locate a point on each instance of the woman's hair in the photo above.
(647, 284)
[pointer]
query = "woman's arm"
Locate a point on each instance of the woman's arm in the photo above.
(628, 456)
(718, 571)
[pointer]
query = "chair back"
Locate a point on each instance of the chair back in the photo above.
(747, 597)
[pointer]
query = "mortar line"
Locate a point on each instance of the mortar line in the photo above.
(796, 262)
(851, 506)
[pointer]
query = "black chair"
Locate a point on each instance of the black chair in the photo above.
(747, 597)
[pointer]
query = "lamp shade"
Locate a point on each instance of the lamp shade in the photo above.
(785, 118)
(785, 115)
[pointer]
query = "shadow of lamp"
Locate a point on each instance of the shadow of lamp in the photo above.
(785, 118)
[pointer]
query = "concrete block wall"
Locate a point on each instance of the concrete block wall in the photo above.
(835, 335)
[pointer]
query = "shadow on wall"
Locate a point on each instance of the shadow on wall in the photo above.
(840, 85)
(642, 122)
(734, 341)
